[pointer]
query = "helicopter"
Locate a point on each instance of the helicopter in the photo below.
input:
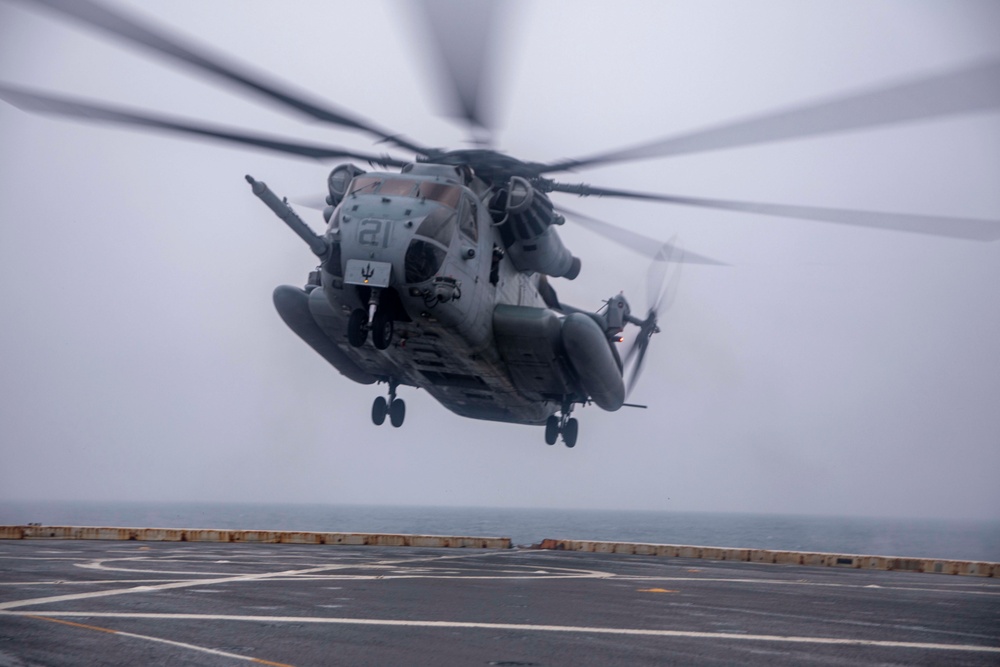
(436, 274)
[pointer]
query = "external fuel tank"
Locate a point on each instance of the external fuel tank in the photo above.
(593, 360)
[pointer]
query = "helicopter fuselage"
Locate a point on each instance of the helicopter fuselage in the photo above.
(424, 253)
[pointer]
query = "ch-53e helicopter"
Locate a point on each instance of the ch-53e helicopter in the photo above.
(433, 271)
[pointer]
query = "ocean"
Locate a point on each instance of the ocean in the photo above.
(926, 538)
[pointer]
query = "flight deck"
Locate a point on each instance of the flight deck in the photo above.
(90, 602)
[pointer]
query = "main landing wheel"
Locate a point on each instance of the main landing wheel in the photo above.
(551, 430)
(397, 412)
(570, 431)
(357, 328)
(379, 409)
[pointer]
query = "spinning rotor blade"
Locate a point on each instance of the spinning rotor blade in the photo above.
(972, 88)
(660, 292)
(48, 104)
(160, 41)
(629, 239)
(462, 35)
(633, 378)
(659, 284)
(934, 225)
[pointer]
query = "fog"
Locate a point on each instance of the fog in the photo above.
(828, 369)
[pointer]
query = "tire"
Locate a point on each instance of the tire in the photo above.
(551, 430)
(379, 409)
(570, 431)
(381, 331)
(357, 328)
(397, 412)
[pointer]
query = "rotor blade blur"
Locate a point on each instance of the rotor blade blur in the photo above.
(641, 244)
(976, 229)
(160, 41)
(48, 104)
(631, 351)
(313, 201)
(656, 275)
(972, 88)
(461, 35)
(668, 291)
(643, 345)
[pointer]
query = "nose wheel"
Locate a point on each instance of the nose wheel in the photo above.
(563, 425)
(381, 331)
(357, 328)
(375, 320)
(392, 407)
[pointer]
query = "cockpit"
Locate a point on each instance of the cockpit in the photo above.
(435, 232)
(443, 193)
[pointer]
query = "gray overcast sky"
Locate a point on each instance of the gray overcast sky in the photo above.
(830, 370)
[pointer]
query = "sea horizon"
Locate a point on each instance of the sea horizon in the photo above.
(961, 539)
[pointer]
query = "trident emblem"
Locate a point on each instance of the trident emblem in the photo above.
(367, 272)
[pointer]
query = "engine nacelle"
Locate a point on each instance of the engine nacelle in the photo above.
(525, 218)
(339, 180)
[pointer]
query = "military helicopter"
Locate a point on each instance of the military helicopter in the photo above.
(433, 271)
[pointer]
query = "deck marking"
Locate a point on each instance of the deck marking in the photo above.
(68, 582)
(161, 587)
(800, 582)
(526, 628)
(75, 625)
(193, 647)
(196, 582)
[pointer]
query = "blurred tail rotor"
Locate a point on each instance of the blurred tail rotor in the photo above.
(661, 291)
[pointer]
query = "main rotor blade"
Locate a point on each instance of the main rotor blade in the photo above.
(934, 225)
(644, 245)
(160, 41)
(48, 104)
(972, 88)
(462, 36)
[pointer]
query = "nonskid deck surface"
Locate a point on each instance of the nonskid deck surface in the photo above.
(110, 603)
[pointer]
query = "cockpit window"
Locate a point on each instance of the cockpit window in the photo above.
(439, 225)
(369, 185)
(398, 187)
(440, 192)
(429, 246)
(422, 261)
(365, 185)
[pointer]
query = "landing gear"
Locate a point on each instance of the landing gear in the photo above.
(379, 410)
(381, 330)
(551, 430)
(564, 425)
(569, 432)
(394, 407)
(357, 328)
(375, 320)
(397, 412)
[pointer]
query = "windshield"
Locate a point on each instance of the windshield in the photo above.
(443, 193)
(440, 192)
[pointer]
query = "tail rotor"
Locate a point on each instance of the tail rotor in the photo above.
(661, 291)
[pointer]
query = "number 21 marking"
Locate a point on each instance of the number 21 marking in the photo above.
(370, 230)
